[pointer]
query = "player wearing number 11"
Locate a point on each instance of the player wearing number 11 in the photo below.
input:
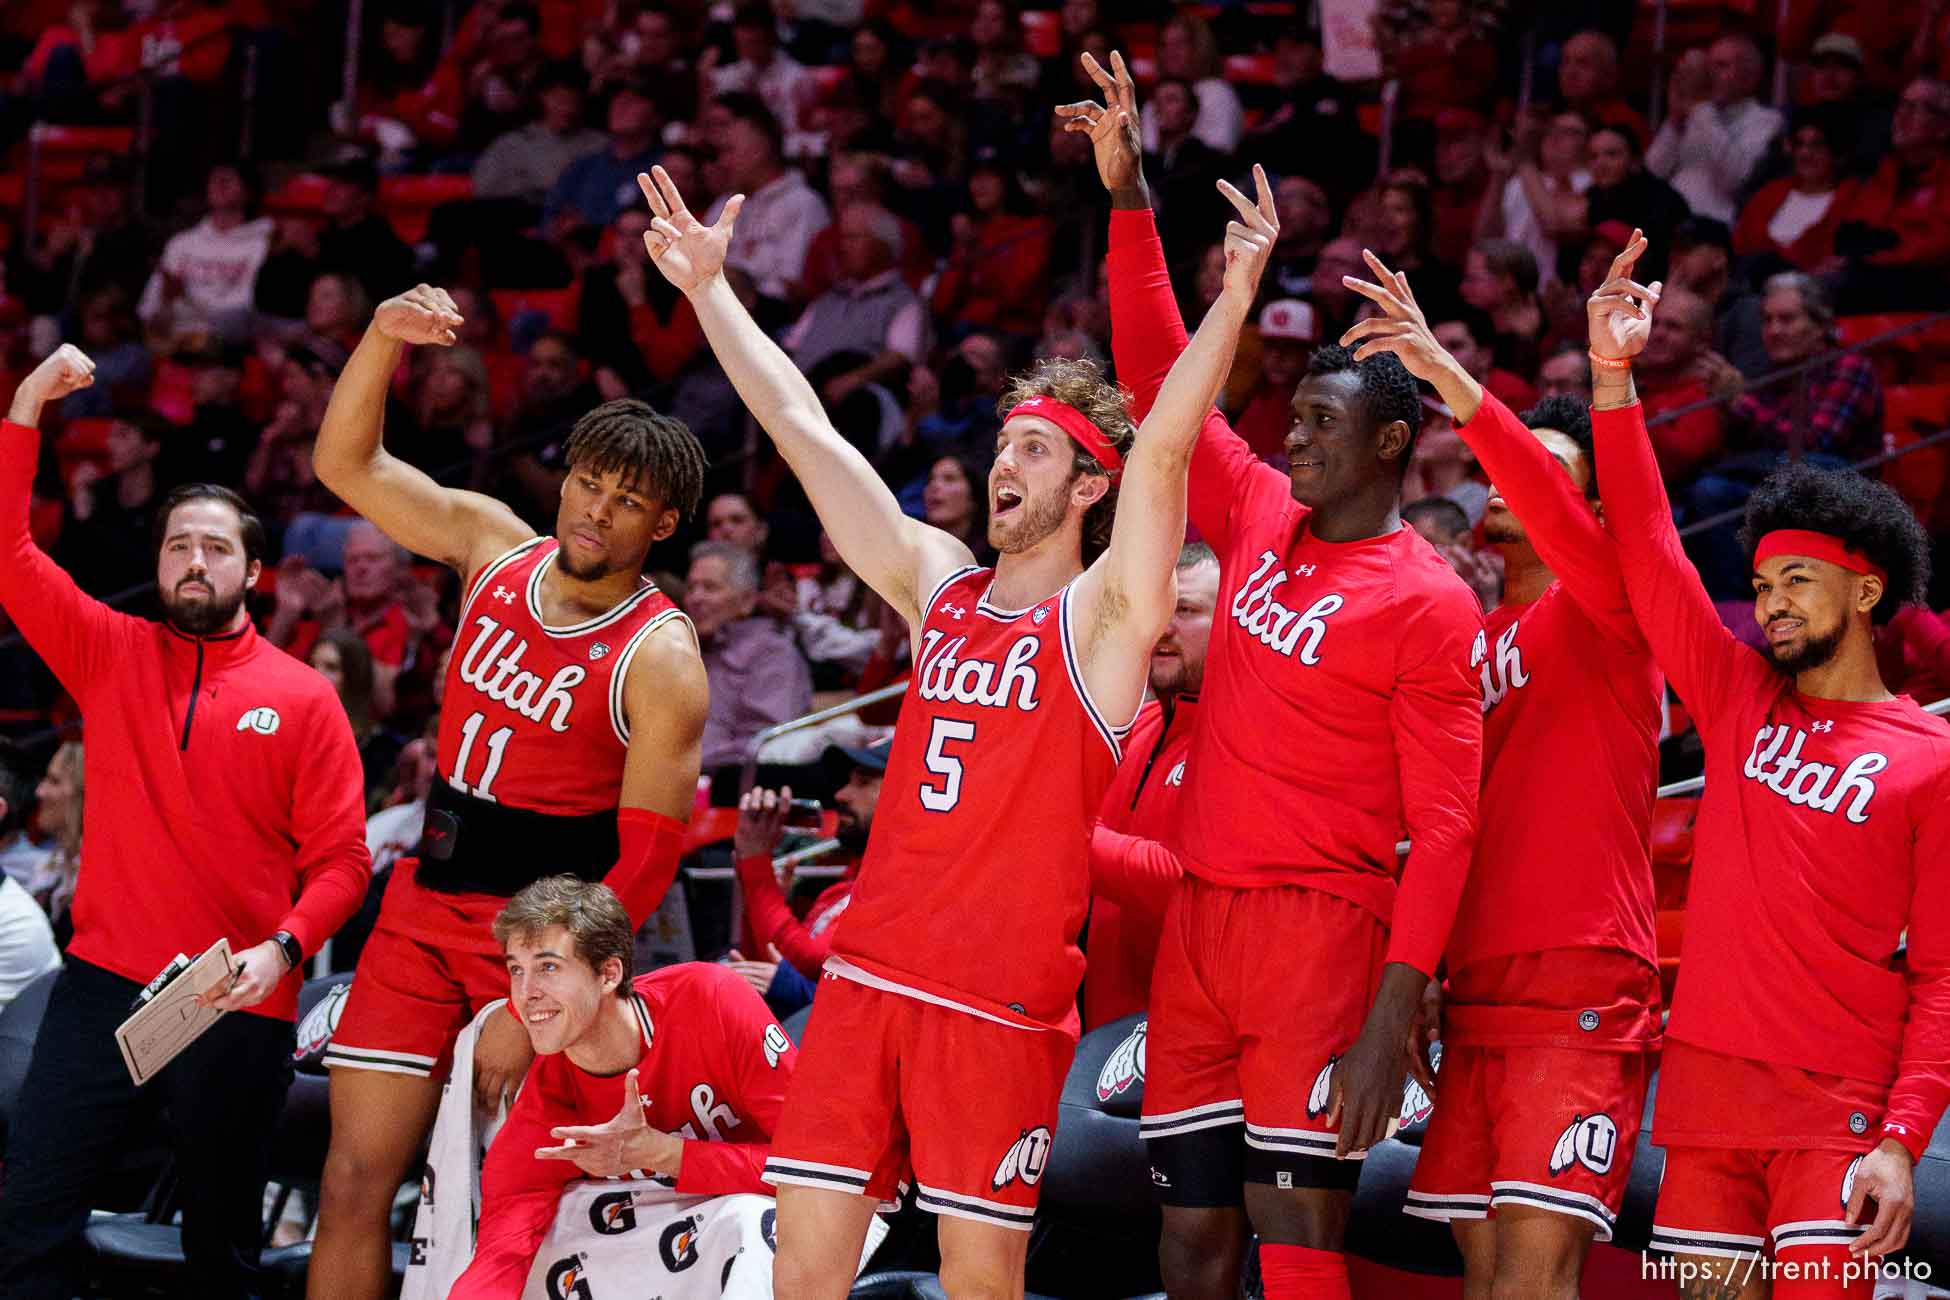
(569, 742)
(947, 1013)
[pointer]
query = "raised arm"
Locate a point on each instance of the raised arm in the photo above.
(1696, 651)
(1556, 517)
(460, 529)
(1127, 594)
(1146, 332)
(900, 558)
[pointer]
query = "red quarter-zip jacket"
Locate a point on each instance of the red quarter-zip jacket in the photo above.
(224, 788)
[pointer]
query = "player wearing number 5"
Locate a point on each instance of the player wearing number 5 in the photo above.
(947, 1013)
(569, 741)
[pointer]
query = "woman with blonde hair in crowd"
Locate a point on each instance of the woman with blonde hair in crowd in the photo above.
(1187, 51)
(59, 799)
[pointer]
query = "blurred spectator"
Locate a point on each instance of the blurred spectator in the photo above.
(356, 240)
(22, 857)
(1566, 372)
(1306, 220)
(1893, 245)
(107, 545)
(1404, 241)
(1309, 123)
(862, 178)
(1711, 142)
(758, 677)
(1839, 89)
(58, 800)
(1669, 376)
(207, 278)
(1444, 525)
(410, 100)
(1791, 221)
(1623, 191)
(873, 74)
(997, 277)
(280, 477)
(634, 325)
(554, 394)
(1469, 337)
(1288, 333)
(1187, 52)
(451, 422)
(1587, 81)
(98, 240)
(343, 659)
(1537, 187)
(930, 152)
(500, 81)
(1182, 170)
(651, 53)
(779, 81)
(526, 163)
(1442, 465)
(1913, 654)
(832, 614)
(956, 501)
(370, 600)
(870, 315)
(1443, 62)
(595, 187)
(336, 308)
(110, 333)
(1500, 280)
(781, 214)
(1702, 263)
(949, 408)
(1334, 303)
(731, 519)
(1462, 177)
(1929, 50)
(1005, 75)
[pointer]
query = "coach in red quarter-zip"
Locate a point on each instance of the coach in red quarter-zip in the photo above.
(225, 801)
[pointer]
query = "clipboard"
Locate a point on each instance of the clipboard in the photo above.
(171, 1019)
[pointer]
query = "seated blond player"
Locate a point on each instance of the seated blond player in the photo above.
(678, 1074)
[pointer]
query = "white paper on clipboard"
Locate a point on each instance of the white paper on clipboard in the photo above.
(173, 1019)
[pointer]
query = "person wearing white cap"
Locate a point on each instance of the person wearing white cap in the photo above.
(1288, 331)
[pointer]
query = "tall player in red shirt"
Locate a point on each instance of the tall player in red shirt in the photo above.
(947, 1013)
(569, 738)
(1806, 1062)
(1553, 988)
(1339, 710)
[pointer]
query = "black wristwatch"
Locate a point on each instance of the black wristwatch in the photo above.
(287, 943)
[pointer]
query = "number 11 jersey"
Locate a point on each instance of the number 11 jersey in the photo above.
(977, 875)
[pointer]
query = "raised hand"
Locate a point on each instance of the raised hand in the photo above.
(1402, 328)
(423, 314)
(1620, 313)
(64, 370)
(1112, 126)
(1249, 240)
(688, 252)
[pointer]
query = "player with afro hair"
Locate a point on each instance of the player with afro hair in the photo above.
(1865, 514)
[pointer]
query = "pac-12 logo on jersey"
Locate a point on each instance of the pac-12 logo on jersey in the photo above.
(1124, 1066)
(1025, 1160)
(1590, 1140)
(1820, 786)
(495, 670)
(1285, 631)
(1503, 673)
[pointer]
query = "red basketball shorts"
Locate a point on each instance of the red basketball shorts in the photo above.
(429, 966)
(1547, 1128)
(1257, 992)
(888, 1083)
(1736, 1202)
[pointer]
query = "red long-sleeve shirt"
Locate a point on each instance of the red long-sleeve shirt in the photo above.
(224, 787)
(1823, 835)
(1339, 709)
(714, 1069)
(806, 944)
(1133, 868)
(1915, 207)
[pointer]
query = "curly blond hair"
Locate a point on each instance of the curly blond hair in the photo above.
(1081, 384)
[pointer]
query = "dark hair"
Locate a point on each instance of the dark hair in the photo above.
(523, 12)
(1474, 319)
(1832, 122)
(1572, 418)
(1081, 384)
(1696, 231)
(1388, 391)
(1625, 131)
(562, 74)
(978, 496)
(1421, 199)
(636, 442)
(750, 108)
(593, 916)
(1437, 509)
(1865, 514)
(1507, 257)
(248, 524)
(554, 335)
(1191, 91)
(355, 677)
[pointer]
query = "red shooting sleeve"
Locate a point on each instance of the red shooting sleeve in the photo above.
(1133, 872)
(649, 846)
(771, 921)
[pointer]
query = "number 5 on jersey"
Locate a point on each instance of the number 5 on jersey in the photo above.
(497, 747)
(942, 798)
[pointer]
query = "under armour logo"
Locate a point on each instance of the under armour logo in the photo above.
(1822, 726)
(954, 611)
(1305, 570)
(504, 595)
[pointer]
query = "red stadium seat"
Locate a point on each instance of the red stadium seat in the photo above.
(303, 194)
(82, 442)
(408, 201)
(1912, 412)
(62, 152)
(1919, 357)
(1042, 32)
(1251, 69)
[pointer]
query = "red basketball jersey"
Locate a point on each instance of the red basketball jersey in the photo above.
(533, 715)
(977, 875)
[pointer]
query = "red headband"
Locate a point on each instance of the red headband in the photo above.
(1075, 423)
(1817, 546)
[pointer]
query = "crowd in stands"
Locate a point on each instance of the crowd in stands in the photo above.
(916, 226)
